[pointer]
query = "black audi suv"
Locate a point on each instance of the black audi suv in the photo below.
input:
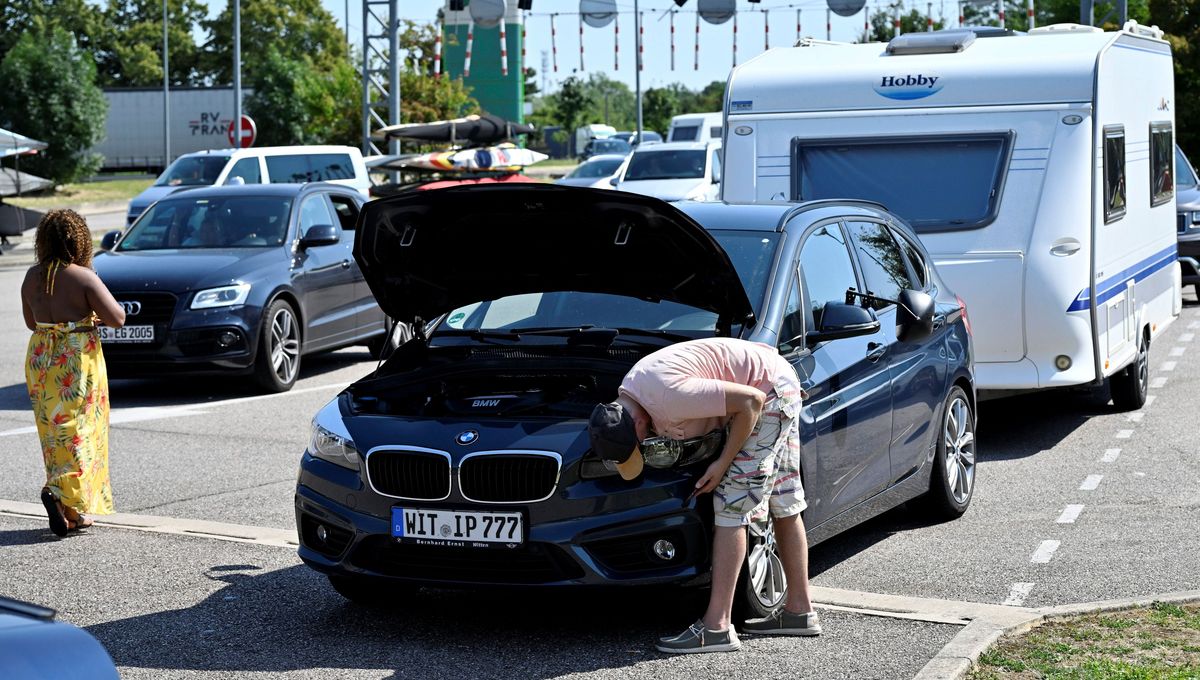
(464, 458)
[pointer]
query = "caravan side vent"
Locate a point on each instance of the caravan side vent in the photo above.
(1135, 28)
(936, 42)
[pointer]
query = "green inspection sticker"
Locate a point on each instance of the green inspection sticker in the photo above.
(457, 318)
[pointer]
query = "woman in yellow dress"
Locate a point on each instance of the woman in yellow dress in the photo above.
(62, 300)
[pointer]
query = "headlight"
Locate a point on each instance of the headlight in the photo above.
(225, 296)
(334, 448)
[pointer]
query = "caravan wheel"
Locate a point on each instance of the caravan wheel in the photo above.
(1129, 387)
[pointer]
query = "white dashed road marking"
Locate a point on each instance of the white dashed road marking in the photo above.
(1194, 324)
(1124, 434)
(1177, 351)
(1018, 593)
(1159, 381)
(1187, 337)
(1150, 400)
(1044, 552)
(1070, 514)
(1167, 366)
(1110, 455)
(1135, 416)
(1091, 483)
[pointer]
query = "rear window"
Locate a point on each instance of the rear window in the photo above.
(943, 183)
(684, 133)
(192, 171)
(316, 167)
(596, 169)
(668, 164)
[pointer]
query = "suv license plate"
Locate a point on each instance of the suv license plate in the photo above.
(457, 527)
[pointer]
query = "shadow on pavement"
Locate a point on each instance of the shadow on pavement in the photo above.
(291, 619)
(27, 536)
(1018, 427)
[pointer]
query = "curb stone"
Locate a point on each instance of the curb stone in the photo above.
(959, 656)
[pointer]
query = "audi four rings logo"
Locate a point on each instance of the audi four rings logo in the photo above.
(132, 307)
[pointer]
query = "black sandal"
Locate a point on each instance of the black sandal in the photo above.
(58, 523)
(79, 523)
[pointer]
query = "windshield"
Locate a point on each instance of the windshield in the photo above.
(191, 171)
(224, 222)
(751, 253)
(1184, 177)
(594, 169)
(674, 164)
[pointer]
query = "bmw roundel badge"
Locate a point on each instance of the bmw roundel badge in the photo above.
(466, 437)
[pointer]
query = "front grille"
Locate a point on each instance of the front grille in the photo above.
(417, 475)
(529, 564)
(1181, 222)
(636, 553)
(508, 477)
(156, 307)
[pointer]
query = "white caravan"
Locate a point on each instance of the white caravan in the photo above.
(1036, 168)
(695, 127)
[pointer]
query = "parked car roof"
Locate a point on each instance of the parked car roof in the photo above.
(259, 189)
(770, 217)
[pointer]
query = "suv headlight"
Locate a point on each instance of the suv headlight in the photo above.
(329, 439)
(225, 296)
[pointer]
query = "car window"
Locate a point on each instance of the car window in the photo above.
(595, 169)
(685, 133)
(791, 330)
(716, 166)
(826, 271)
(918, 270)
(346, 209)
(309, 167)
(191, 171)
(247, 169)
(314, 211)
(883, 267)
(1183, 170)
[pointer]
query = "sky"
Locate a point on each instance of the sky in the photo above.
(716, 41)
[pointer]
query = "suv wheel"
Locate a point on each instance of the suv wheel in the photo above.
(1130, 386)
(952, 481)
(762, 586)
(278, 361)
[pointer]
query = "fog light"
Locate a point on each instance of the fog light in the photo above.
(1062, 362)
(664, 549)
(322, 533)
(227, 338)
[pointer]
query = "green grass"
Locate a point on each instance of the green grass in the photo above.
(1160, 642)
(82, 193)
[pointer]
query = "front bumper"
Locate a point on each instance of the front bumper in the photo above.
(190, 341)
(611, 546)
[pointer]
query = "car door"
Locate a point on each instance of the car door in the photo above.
(916, 376)
(848, 406)
(326, 278)
(367, 314)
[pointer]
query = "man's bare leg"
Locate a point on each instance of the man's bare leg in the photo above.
(793, 550)
(729, 551)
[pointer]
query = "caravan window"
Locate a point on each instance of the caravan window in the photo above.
(1162, 177)
(943, 183)
(1114, 173)
(685, 133)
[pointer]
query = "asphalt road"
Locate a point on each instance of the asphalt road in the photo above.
(187, 606)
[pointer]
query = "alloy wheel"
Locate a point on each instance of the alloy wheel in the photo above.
(767, 579)
(285, 345)
(959, 438)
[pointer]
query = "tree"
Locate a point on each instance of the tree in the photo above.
(659, 104)
(80, 18)
(132, 54)
(50, 93)
(883, 23)
(296, 29)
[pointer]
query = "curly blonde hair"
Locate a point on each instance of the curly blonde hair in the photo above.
(63, 235)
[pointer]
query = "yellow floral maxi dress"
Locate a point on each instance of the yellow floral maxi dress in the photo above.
(68, 386)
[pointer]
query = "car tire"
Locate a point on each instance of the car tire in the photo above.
(277, 362)
(370, 592)
(952, 480)
(1130, 386)
(381, 346)
(762, 585)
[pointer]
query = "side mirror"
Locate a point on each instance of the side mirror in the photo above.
(110, 240)
(839, 320)
(319, 235)
(613, 181)
(914, 315)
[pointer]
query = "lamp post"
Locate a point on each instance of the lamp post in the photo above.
(637, 68)
(237, 74)
(166, 95)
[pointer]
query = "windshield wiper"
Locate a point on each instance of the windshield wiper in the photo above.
(652, 333)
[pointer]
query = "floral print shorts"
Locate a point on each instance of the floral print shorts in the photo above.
(765, 475)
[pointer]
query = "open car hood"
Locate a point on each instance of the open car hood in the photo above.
(425, 254)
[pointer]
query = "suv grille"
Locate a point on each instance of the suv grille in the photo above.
(154, 308)
(410, 474)
(1181, 222)
(508, 477)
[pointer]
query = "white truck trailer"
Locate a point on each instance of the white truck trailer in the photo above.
(1037, 169)
(200, 119)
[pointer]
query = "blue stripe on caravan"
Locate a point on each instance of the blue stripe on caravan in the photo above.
(1113, 285)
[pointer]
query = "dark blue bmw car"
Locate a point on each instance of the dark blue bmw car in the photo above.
(239, 279)
(464, 459)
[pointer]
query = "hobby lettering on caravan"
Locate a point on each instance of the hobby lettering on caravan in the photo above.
(908, 86)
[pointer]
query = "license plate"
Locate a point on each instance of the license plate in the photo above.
(127, 334)
(457, 527)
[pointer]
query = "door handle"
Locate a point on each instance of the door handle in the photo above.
(939, 321)
(875, 351)
(345, 264)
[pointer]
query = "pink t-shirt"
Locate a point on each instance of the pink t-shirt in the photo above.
(682, 386)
